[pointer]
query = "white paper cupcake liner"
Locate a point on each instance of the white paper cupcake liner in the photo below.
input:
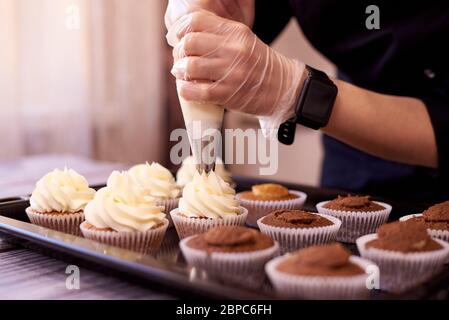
(402, 271)
(142, 242)
(435, 233)
(355, 224)
(319, 287)
(236, 268)
(186, 226)
(169, 205)
(291, 239)
(259, 208)
(63, 222)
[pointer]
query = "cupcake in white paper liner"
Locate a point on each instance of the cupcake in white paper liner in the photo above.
(143, 242)
(291, 239)
(260, 208)
(320, 287)
(435, 233)
(189, 226)
(207, 201)
(158, 182)
(238, 268)
(58, 201)
(401, 271)
(63, 222)
(169, 205)
(356, 223)
(122, 214)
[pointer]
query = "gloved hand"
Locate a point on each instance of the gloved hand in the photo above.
(222, 62)
(237, 10)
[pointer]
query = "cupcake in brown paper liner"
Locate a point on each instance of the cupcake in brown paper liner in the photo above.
(266, 198)
(405, 253)
(231, 254)
(358, 214)
(123, 215)
(58, 201)
(158, 182)
(320, 272)
(436, 219)
(207, 201)
(296, 229)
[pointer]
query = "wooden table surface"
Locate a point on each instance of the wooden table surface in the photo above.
(26, 274)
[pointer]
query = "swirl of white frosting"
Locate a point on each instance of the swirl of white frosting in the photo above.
(123, 206)
(155, 180)
(208, 195)
(61, 191)
(188, 169)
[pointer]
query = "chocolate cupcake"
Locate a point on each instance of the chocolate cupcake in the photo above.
(295, 229)
(358, 214)
(436, 219)
(405, 254)
(320, 272)
(230, 253)
(266, 198)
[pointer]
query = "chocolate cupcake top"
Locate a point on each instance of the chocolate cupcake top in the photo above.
(325, 260)
(295, 219)
(268, 192)
(436, 217)
(231, 239)
(353, 203)
(404, 236)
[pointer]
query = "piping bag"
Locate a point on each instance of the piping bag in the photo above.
(203, 121)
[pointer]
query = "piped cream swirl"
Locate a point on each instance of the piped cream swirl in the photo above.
(123, 206)
(208, 195)
(64, 191)
(188, 169)
(155, 180)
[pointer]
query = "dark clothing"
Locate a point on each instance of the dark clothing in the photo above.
(407, 56)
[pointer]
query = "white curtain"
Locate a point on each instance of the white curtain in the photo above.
(82, 77)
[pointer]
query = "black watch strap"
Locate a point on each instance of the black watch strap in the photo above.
(314, 106)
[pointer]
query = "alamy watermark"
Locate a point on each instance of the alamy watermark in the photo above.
(72, 281)
(73, 17)
(240, 146)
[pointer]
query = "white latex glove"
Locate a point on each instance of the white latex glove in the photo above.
(238, 10)
(222, 62)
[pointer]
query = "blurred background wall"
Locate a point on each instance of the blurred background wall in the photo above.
(82, 77)
(91, 78)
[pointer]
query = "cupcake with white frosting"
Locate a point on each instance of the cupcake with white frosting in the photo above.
(122, 214)
(58, 201)
(158, 182)
(188, 169)
(207, 201)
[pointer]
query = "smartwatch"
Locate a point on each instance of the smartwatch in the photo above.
(314, 106)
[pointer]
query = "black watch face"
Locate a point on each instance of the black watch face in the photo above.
(319, 101)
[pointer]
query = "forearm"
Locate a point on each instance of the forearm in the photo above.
(390, 127)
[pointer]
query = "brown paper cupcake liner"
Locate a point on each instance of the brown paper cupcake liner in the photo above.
(316, 287)
(291, 239)
(186, 226)
(355, 224)
(63, 222)
(402, 271)
(258, 208)
(235, 268)
(435, 233)
(169, 205)
(143, 242)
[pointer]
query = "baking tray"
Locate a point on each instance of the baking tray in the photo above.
(166, 268)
